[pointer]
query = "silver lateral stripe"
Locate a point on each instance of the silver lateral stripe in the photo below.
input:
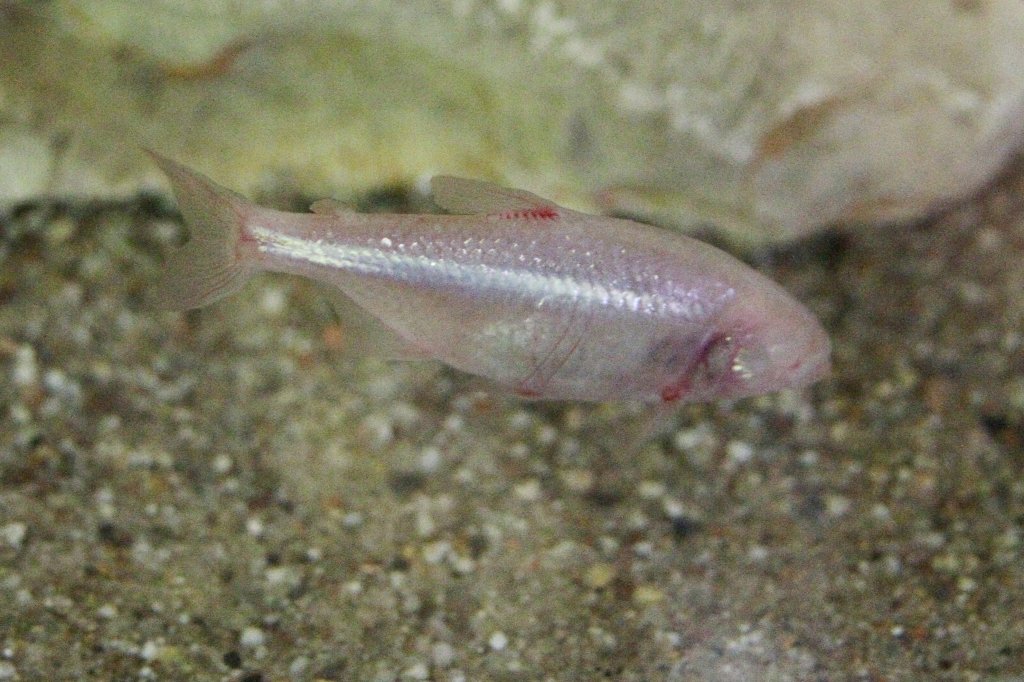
(408, 267)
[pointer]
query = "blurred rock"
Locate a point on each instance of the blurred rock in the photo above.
(767, 120)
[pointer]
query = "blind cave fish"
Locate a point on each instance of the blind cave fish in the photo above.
(541, 300)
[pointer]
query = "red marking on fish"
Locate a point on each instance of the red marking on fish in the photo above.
(539, 213)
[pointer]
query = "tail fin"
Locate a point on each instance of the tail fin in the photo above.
(210, 265)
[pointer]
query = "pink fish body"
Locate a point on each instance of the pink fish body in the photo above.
(544, 301)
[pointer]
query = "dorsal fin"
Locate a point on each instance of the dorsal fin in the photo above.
(461, 195)
(330, 207)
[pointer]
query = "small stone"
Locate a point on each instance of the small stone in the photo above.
(966, 584)
(645, 595)
(690, 439)
(673, 508)
(809, 458)
(8, 671)
(273, 301)
(252, 637)
(298, 667)
(59, 231)
(453, 423)
(435, 552)
(498, 641)
(947, 562)
(463, 565)
(430, 459)
(14, 534)
(546, 435)
(149, 651)
(26, 371)
(442, 654)
(221, 464)
(837, 505)
(520, 420)
(757, 553)
(528, 491)
(651, 490)
(577, 480)
(599, 576)
(739, 452)
(880, 512)
(418, 671)
(283, 575)
(378, 430)
(254, 526)
(352, 520)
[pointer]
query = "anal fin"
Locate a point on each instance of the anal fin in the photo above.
(366, 336)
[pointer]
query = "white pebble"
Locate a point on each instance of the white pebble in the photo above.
(757, 553)
(254, 526)
(881, 512)
(520, 421)
(26, 371)
(430, 459)
(8, 671)
(453, 423)
(149, 650)
(463, 565)
(435, 552)
(809, 458)
(273, 301)
(417, 672)
(546, 435)
(282, 575)
(14, 534)
(498, 641)
(528, 491)
(222, 464)
(837, 505)
(378, 429)
(739, 452)
(650, 490)
(299, 666)
(252, 637)
(443, 654)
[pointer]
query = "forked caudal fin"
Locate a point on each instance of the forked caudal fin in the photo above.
(211, 265)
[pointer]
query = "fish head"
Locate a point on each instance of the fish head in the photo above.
(761, 344)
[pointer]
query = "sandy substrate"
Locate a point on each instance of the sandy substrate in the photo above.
(217, 496)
